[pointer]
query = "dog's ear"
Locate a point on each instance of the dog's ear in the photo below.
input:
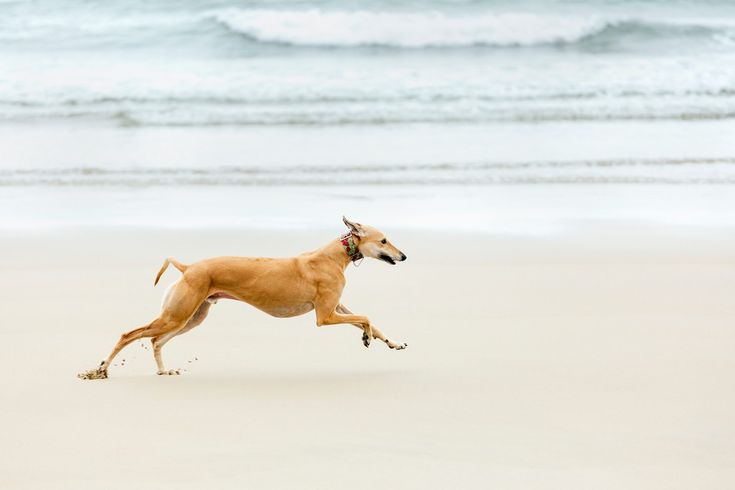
(355, 228)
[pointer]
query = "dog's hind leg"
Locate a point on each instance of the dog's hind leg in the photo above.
(156, 327)
(185, 299)
(377, 334)
(160, 341)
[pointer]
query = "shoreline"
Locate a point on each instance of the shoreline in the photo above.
(491, 209)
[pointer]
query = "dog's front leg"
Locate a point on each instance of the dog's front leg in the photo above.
(377, 334)
(365, 337)
(327, 313)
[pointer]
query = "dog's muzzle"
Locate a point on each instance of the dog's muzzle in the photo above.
(390, 260)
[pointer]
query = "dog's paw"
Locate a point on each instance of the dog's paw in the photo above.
(365, 340)
(170, 372)
(393, 345)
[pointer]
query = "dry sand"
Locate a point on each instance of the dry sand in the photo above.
(597, 359)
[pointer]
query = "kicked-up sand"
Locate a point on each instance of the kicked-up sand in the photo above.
(596, 359)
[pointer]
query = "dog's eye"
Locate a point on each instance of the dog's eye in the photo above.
(383, 241)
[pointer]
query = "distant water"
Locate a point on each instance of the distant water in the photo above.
(196, 63)
(715, 170)
(251, 112)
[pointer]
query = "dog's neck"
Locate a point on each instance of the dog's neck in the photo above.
(339, 253)
(350, 247)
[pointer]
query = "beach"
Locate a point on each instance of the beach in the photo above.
(560, 175)
(598, 358)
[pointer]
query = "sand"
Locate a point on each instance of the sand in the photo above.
(599, 358)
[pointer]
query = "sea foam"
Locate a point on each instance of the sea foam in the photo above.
(325, 28)
(409, 29)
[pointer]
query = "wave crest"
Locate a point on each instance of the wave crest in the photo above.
(406, 30)
(343, 29)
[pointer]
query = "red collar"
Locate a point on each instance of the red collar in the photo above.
(348, 242)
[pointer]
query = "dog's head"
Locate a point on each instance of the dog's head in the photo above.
(371, 242)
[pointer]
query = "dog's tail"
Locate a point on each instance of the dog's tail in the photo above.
(166, 263)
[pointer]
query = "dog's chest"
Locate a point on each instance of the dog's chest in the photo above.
(285, 311)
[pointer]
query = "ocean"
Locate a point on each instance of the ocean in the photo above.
(289, 113)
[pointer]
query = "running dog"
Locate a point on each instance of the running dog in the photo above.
(283, 288)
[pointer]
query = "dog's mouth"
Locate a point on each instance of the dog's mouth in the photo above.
(386, 258)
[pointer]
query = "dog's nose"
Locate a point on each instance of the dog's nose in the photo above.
(403, 256)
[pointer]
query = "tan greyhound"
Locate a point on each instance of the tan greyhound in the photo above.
(284, 287)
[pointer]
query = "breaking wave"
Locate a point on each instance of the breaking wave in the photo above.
(343, 29)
